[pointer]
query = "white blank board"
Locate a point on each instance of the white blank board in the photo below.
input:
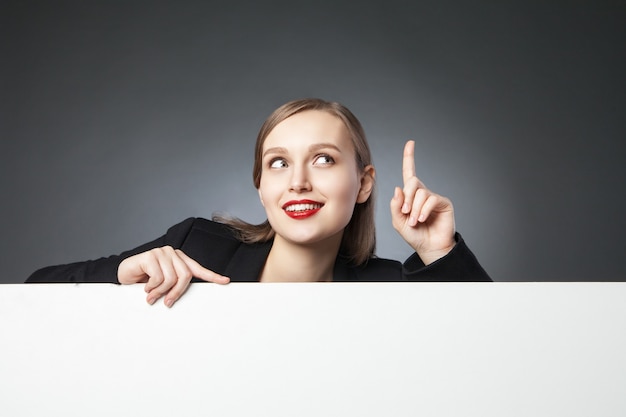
(333, 349)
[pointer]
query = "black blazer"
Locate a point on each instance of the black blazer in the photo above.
(215, 247)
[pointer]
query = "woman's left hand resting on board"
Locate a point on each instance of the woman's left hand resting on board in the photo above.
(166, 272)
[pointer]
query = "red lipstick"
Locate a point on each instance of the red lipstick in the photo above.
(301, 209)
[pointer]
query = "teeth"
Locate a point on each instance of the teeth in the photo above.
(303, 207)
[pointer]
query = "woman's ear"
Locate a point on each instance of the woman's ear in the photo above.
(261, 197)
(368, 178)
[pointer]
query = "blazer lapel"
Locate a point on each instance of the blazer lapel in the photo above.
(343, 272)
(248, 261)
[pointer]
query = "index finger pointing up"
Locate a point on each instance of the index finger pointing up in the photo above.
(408, 161)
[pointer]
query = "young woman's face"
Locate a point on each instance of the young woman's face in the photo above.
(309, 179)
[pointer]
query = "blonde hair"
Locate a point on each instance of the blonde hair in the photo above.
(359, 238)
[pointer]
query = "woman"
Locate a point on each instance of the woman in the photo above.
(316, 181)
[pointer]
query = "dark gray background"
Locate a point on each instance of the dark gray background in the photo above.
(119, 119)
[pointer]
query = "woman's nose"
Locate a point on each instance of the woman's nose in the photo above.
(299, 180)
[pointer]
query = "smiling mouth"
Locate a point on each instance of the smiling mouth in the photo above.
(302, 209)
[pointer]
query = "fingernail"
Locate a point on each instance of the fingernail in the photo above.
(412, 221)
(151, 300)
(405, 208)
(169, 303)
(421, 218)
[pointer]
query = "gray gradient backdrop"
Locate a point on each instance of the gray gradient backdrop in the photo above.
(119, 119)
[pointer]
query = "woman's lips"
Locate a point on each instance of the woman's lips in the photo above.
(301, 209)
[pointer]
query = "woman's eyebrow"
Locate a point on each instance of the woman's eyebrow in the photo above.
(320, 146)
(278, 150)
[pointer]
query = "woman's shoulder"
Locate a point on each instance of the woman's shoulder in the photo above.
(210, 243)
(200, 225)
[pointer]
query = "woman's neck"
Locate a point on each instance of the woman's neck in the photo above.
(289, 262)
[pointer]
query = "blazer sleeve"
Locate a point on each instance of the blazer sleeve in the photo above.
(104, 270)
(460, 264)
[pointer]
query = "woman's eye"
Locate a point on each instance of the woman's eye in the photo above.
(278, 163)
(324, 160)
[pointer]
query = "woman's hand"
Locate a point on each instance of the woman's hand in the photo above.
(166, 272)
(424, 219)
